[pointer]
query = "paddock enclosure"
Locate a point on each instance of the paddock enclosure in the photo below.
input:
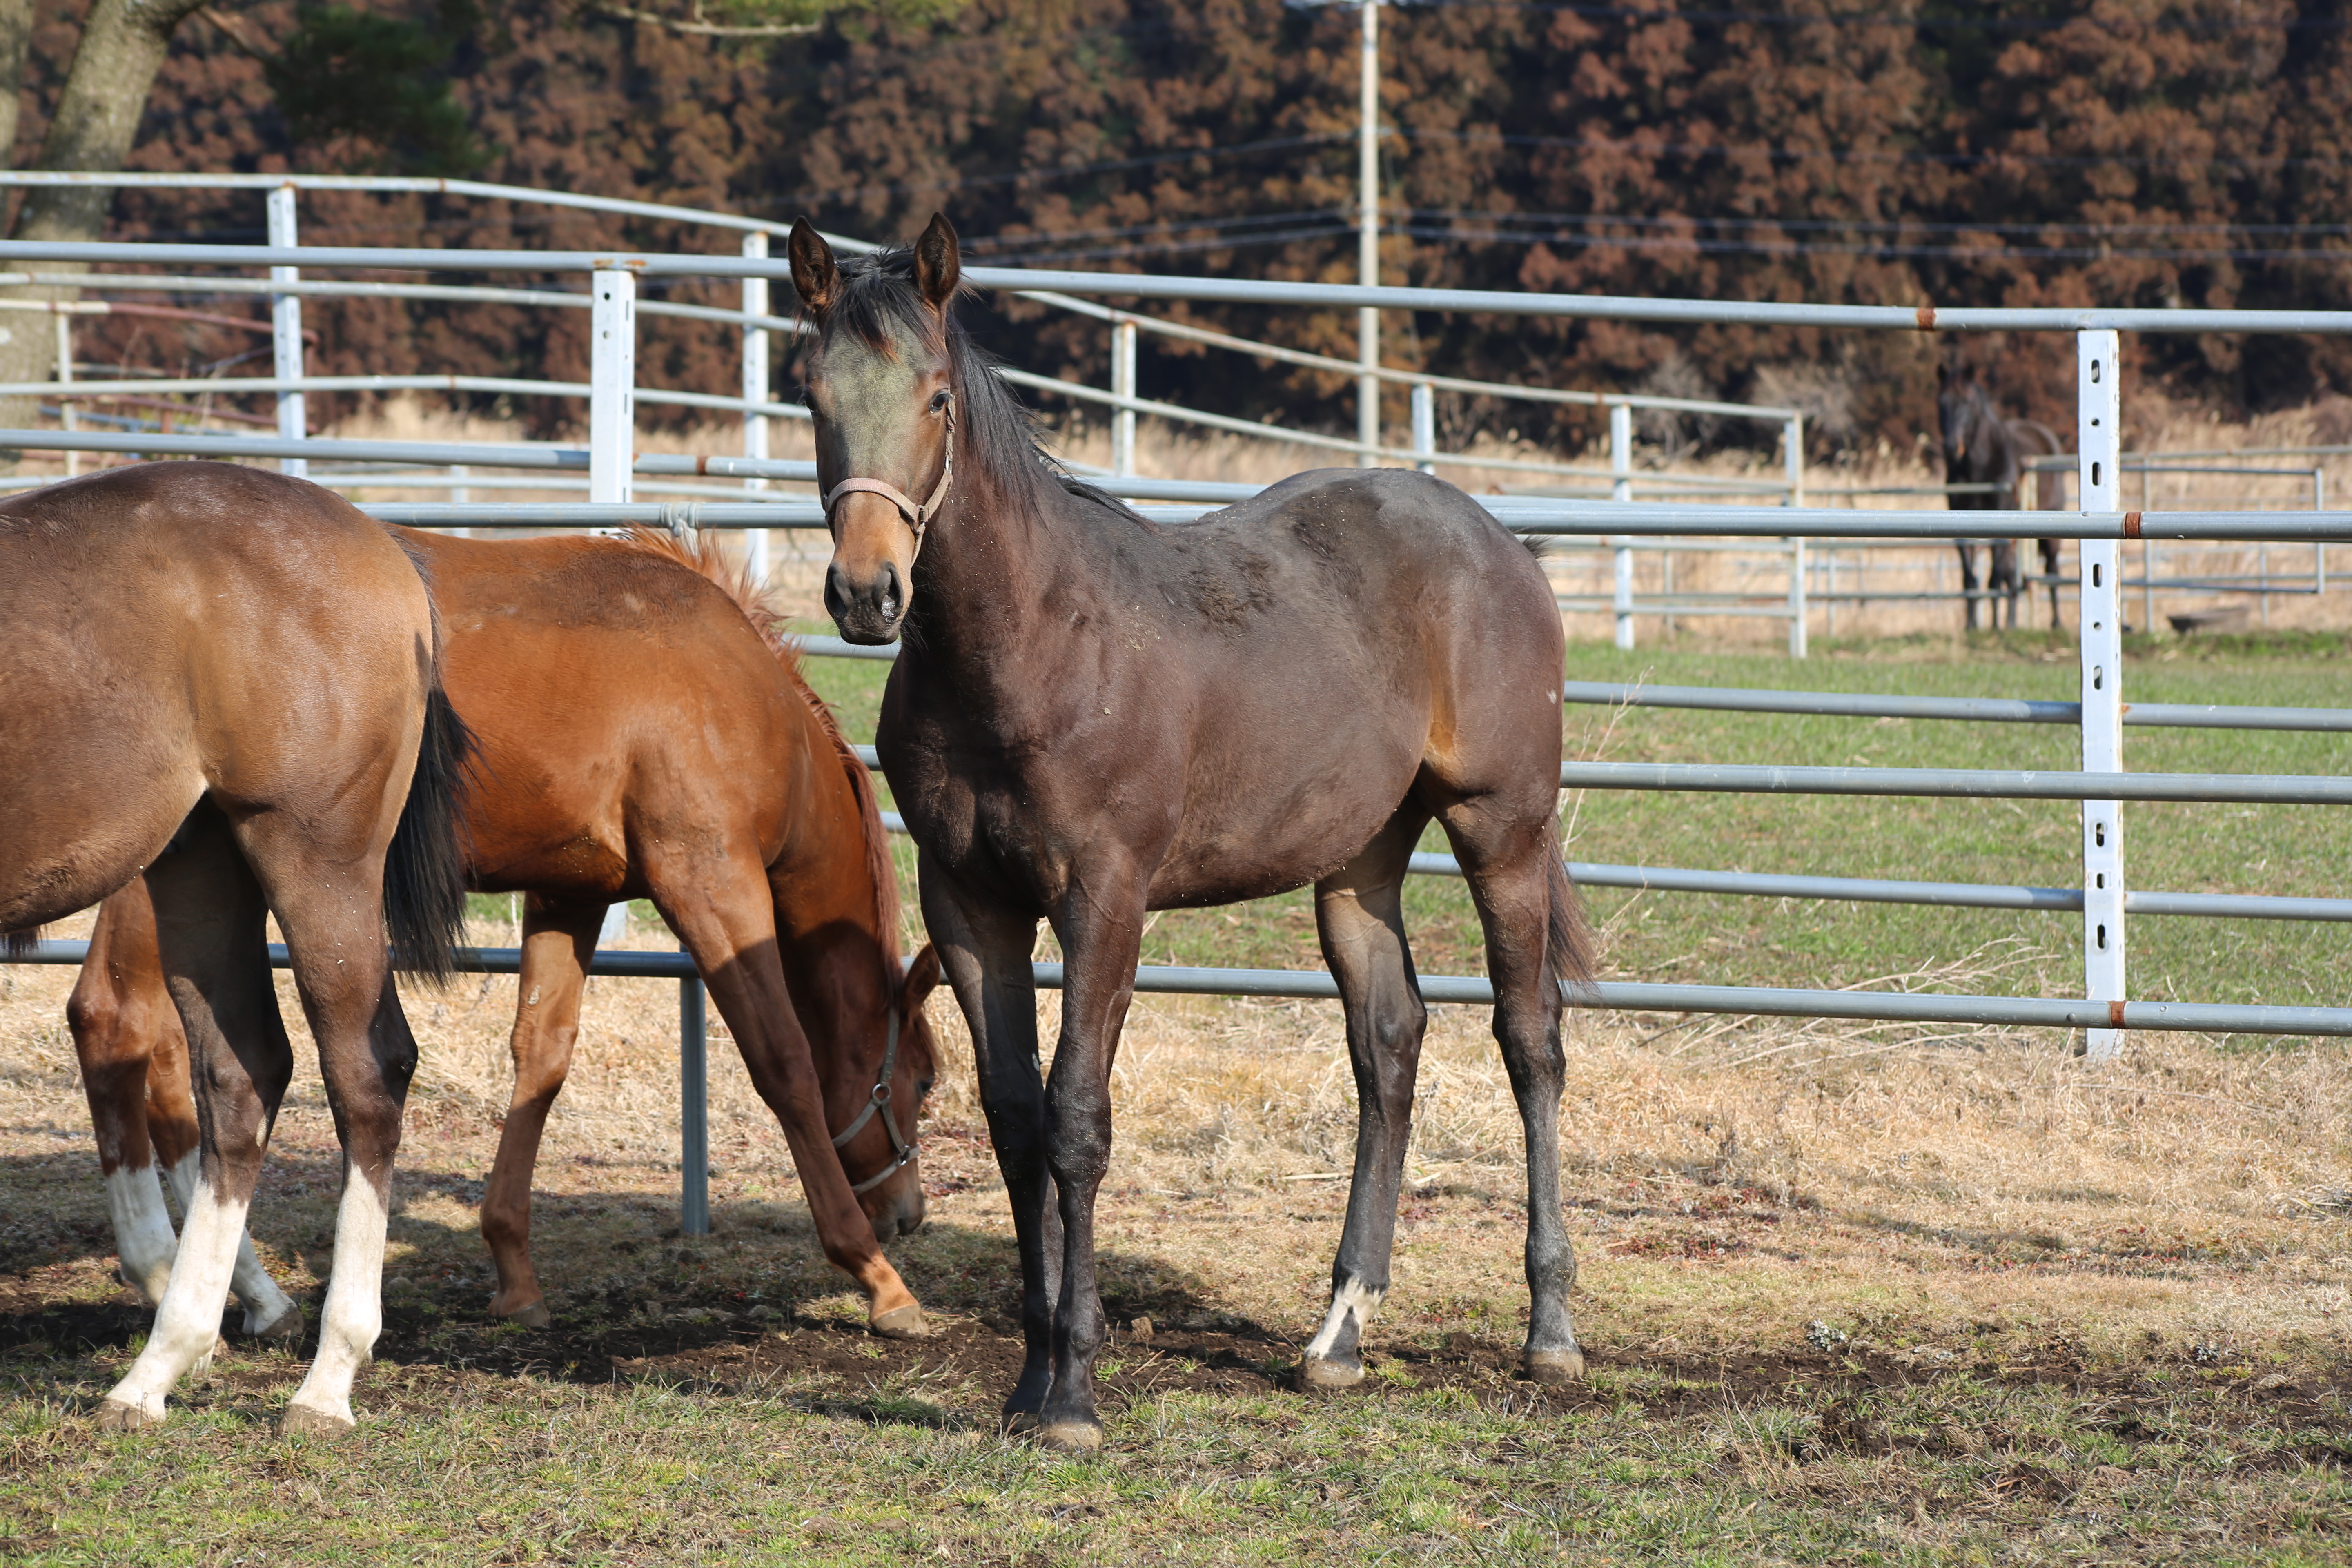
(1817, 1222)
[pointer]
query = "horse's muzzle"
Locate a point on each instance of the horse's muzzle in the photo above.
(867, 611)
(903, 1205)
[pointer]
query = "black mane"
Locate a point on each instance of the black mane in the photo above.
(996, 433)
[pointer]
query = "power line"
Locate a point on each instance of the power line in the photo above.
(1824, 154)
(1924, 23)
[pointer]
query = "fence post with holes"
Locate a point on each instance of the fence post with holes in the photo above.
(1424, 423)
(693, 1108)
(1620, 468)
(1792, 437)
(2099, 406)
(611, 385)
(1122, 385)
(755, 390)
(286, 330)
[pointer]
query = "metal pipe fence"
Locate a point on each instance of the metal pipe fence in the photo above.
(2101, 784)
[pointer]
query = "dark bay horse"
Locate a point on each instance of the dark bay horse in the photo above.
(230, 681)
(643, 734)
(1094, 716)
(1982, 448)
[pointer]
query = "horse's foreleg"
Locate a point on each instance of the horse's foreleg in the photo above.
(984, 951)
(1100, 924)
(725, 914)
(1506, 865)
(209, 922)
(558, 941)
(1969, 584)
(117, 1016)
(1360, 921)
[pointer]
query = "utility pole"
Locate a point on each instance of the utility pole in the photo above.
(1368, 238)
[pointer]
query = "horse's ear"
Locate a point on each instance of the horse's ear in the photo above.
(814, 276)
(923, 979)
(1943, 372)
(939, 265)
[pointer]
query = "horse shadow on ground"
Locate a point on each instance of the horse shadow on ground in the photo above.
(753, 1306)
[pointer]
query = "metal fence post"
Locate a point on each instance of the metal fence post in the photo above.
(2099, 416)
(286, 330)
(755, 390)
(1122, 385)
(694, 1110)
(1792, 437)
(66, 420)
(1620, 466)
(1368, 234)
(611, 385)
(1424, 423)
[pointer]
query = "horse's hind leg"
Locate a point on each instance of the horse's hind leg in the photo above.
(134, 1060)
(209, 924)
(557, 942)
(1360, 921)
(1509, 860)
(331, 912)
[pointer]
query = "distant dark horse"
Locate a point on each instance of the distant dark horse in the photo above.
(1095, 716)
(1981, 447)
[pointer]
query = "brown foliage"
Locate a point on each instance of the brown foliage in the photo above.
(2149, 153)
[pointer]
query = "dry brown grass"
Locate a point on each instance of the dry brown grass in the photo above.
(1935, 1191)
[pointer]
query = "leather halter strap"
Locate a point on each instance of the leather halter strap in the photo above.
(880, 1101)
(917, 516)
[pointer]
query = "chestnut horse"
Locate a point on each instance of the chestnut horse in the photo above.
(643, 734)
(1093, 716)
(230, 681)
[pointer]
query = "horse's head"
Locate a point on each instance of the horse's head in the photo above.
(880, 378)
(877, 1145)
(1959, 400)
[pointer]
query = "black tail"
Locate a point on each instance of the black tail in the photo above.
(424, 870)
(1568, 950)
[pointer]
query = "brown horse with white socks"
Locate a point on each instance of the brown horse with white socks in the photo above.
(643, 734)
(1094, 716)
(230, 680)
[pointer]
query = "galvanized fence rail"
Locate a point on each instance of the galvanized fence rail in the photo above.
(2101, 784)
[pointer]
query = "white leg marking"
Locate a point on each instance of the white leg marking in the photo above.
(265, 1306)
(188, 1322)
(142, 1230)
(353, 1315)
(1354, 1296)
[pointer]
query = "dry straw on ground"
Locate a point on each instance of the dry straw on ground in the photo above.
(1933, 1190)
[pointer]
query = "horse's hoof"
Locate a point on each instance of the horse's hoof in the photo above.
(900, 1324)
(120, 1416)
(1071, 1436)
(1018, 1423)
(287, 1325)
(1328, 1374)
(302, 1421)
(1556, 1369)
(535, 1316)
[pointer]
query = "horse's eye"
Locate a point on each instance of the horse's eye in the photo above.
(939, 400)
